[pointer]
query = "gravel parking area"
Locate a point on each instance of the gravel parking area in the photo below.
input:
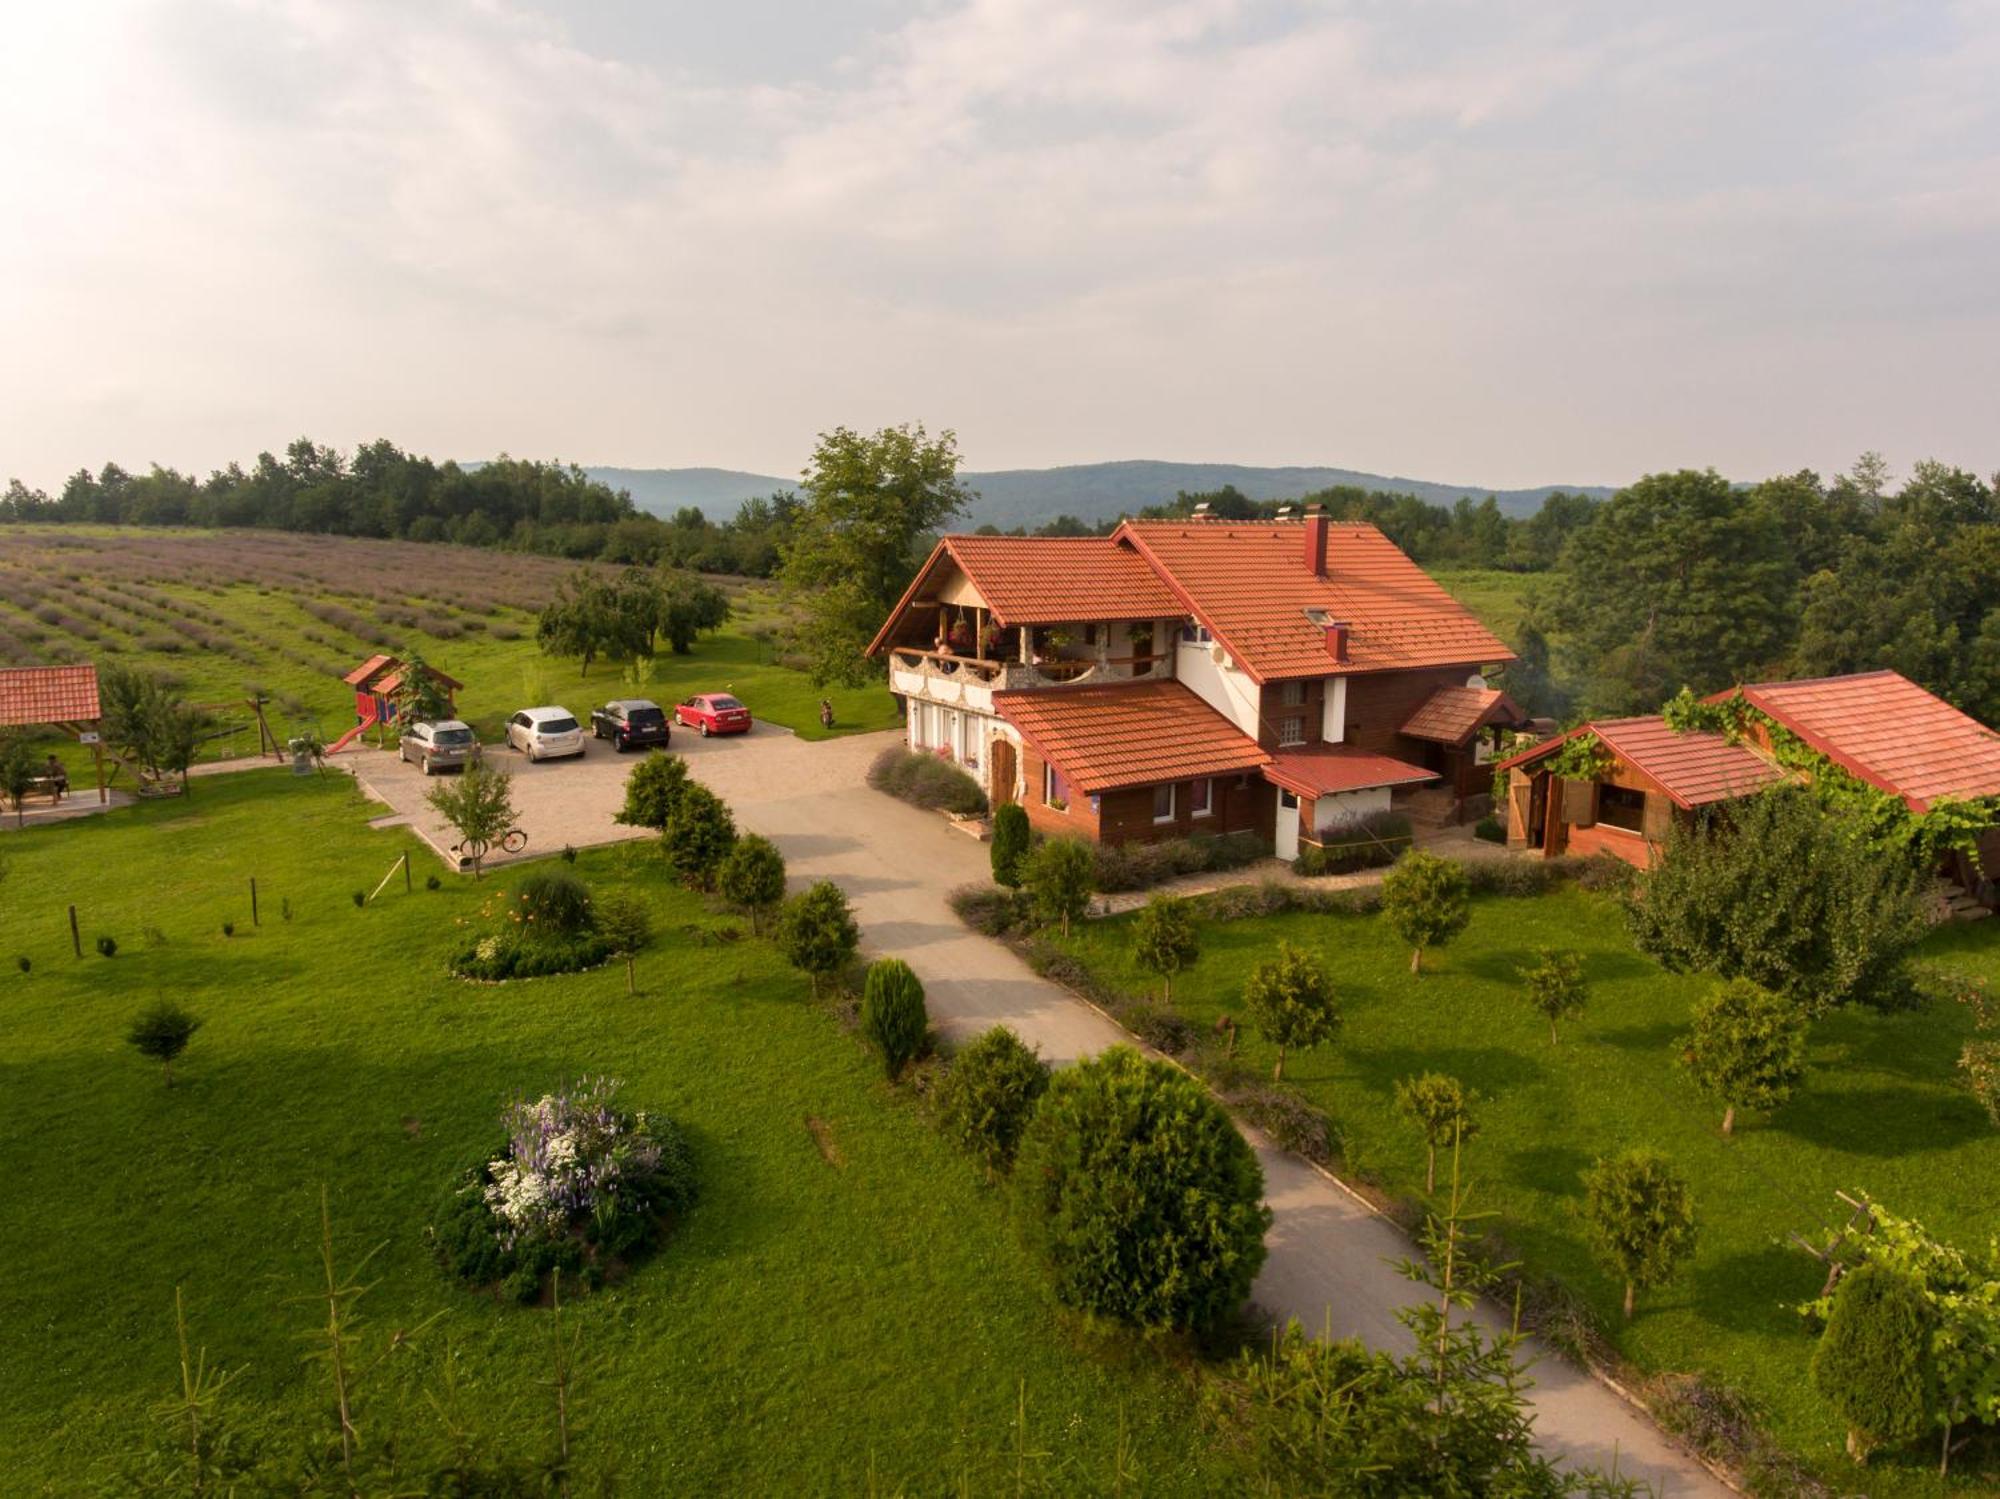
(561, 802)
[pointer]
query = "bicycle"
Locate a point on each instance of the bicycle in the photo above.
(512, 842)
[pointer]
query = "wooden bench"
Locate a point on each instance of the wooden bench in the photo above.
(56, 789)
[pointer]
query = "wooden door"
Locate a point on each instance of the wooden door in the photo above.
(1002, 770)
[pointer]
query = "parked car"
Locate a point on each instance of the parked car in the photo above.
(439, 745)
(545, 733)
(713, 713)
(630, 721)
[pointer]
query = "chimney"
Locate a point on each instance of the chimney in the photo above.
(1336, 641)
(1315, 541)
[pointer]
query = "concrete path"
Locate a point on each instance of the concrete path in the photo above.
(1331, 1258)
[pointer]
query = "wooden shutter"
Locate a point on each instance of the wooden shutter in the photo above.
(1659, 817)
(1579, 803)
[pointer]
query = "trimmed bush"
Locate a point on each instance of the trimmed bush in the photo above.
(987, 1096)
(1011, 841)
(554, 903)
(752, 878)
(652, 790)
(1873, 1363)
(161, 1033)
(1366, 843)
(1140, 866)
(892, 1013)
(107, 947)
(924, 780)
(817, 933)
(699, 835)
(1058, 876)
(1139, 1195)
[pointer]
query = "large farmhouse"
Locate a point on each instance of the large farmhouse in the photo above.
(1187, 677)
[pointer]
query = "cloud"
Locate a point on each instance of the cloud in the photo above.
(1512, 244)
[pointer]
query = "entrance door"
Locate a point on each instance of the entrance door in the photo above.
(1286, 839)
(1001, 790)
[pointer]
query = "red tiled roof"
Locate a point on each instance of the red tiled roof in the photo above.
(367, 669)
(1452, 714)
(1117, 734)
(1249, 583)
(1885, 729)
(1695, 768)
(1328, 769)
(32, 695)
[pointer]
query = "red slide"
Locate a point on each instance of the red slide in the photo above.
(345, 739)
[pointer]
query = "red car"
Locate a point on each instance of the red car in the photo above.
(713, 713)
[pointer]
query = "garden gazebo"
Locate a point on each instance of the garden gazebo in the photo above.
(62, 697)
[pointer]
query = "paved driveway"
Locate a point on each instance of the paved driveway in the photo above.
(1331, 1256)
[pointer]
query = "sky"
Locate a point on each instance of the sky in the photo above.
(1494, 243)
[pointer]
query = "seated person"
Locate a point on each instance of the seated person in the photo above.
(56, 776)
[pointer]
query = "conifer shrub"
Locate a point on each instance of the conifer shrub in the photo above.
(1011, 840)
(1873, 1363)
(987, 1096)
(892, 1013)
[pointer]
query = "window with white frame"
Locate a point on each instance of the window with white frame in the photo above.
(1193, 633)
(1163, 803)
(1055, 791)
(1292, 694)
(1291, 731)
(1201, 799)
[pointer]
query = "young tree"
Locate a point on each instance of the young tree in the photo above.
(1873, 1364)
(752, 878)
(1779, 893)
(480, 805)
(1165, 939)
(1441, 1108)
(1747, 1049)
(420, 696)
(1059, 875)
(1426, 901)
(892, 1013)
(1139, 1194)
(871, 504)
(1011, 841)
(699, 834)
(1292, 1002)
(817, 933)
(987, 1096)
(651, 791)
(1556, 986)
(18, 771)
(1641, 1219)
(689, 607)
(622, 921)
(161, 1033)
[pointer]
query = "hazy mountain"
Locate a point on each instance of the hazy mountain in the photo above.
(1089, 491)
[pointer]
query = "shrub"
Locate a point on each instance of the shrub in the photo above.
(893, 1017)
(1424, 900)
(1164, 1030)
(360, 899)
(816, 932)
(1873, 1363)
(107, 947)
(580, 1186)
(1139, 1195)
(988, 1094)
(924, 780)
(1058, 876)
(431, 882)
(1747, 1049)
(1490, 829)
(1139, 866)
(699, 834)
(24, 963)
(1641, 1219)
(1555, 985)
(1365, 843)
(1978, 1064)
(752, 878)
(1439, 1106)
(990, 910)
(555, 903)
(1292, 1002)
(161, 1033)
(229, 929)
(1011, 840)
(1290, 1120)
(651, 791)
(511, 954)
(1165, 939)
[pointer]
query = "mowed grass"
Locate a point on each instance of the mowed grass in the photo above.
(251, 595)
(1881, 1112)
(1499, 599)
(846, 1298)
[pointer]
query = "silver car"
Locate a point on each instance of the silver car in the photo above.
(545, 733)
(439, 745)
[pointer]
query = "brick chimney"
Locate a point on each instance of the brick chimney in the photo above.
(1315, 541)
(1336, 641)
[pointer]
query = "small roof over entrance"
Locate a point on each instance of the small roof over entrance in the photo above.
(1329, 769)
(32, 695)
(1452, 715)
(1118, 734)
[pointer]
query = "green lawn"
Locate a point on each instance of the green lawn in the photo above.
(1881, 1112)
(1498, 598)
(810, 1321)
(251, 592)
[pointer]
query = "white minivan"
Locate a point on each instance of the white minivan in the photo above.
(545, 733)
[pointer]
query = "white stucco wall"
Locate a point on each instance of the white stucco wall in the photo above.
(1333, 712)
(1330, 811)
(1226, 689)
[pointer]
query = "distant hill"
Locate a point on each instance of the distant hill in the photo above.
(1089, 491)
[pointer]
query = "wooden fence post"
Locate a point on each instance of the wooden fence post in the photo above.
(75, 937)
(253, 898)
(407, 886)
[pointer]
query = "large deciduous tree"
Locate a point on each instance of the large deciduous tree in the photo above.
(872, 505)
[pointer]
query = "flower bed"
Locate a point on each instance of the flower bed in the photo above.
(546, 926)
(580, 1186)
